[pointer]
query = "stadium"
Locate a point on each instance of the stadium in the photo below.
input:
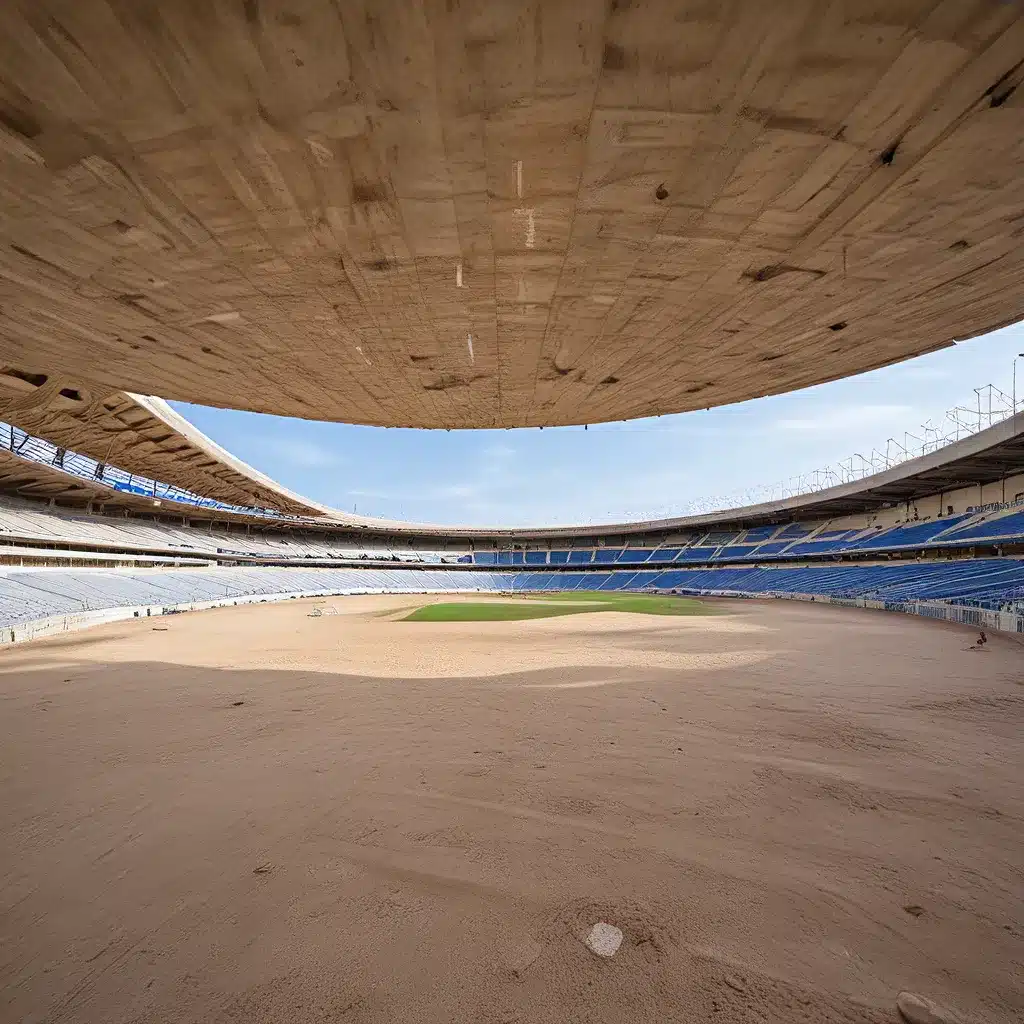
(266, 760)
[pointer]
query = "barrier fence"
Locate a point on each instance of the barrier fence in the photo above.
(964, 615)
(70, 622)
(983, 618)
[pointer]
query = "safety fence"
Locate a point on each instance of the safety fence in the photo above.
(983, 618)
(964, 615)
(54, 625)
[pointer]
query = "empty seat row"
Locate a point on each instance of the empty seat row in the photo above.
(27, 595)
(795, 540)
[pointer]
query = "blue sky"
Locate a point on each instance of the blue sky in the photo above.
(611, 472)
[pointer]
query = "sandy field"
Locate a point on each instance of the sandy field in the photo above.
(791, 812)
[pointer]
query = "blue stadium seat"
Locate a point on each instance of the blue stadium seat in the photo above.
(819, 545)
(698, 554)
(905, 535)
(717, 539)
(992, 580)
(736, 551)
(795, 530)
(635, 555)
(758, 534)
(665, 554)
(1007, 526)
(773, 547)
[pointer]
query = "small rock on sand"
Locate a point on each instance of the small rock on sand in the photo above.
(604, 939)
(735, 983)
(916, 1009)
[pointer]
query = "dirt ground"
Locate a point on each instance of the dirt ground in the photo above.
(792, 812)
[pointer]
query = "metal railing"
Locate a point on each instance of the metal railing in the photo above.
(989, 406)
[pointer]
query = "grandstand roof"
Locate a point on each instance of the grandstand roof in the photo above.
(481, 214)
(30, 479)
(146, 436)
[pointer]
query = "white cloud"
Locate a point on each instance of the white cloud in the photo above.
(463, 491)
(382, 495)
(498, 452)
(304, 454)
(849, 417)
(910, 371)
(442, 492)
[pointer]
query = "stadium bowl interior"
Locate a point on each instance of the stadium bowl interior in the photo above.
(402, 771)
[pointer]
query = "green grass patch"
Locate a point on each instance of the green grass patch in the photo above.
(486, 611)
(620, 601)
(547, 605)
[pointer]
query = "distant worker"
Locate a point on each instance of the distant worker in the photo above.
(979, 644)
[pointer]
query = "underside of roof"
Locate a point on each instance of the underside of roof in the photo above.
(27, 479)
(144, 436)
(480, 213)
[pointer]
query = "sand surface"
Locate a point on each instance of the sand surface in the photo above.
(792, 812)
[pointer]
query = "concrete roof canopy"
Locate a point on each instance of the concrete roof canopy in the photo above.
(482, 214)
(146, 436)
